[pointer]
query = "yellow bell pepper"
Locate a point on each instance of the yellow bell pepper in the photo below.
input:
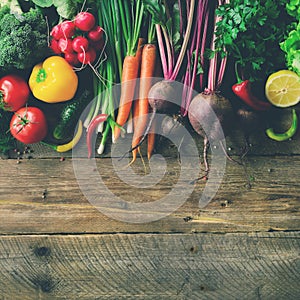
(53, 81)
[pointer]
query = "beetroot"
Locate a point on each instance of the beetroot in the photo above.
(163, 96)
(211, 115)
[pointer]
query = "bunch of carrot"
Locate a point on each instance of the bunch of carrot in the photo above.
(131, 61)
(137, 70)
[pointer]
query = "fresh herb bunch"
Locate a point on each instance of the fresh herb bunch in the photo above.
(250, 31)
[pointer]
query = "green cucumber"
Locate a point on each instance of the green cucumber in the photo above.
(69, 116)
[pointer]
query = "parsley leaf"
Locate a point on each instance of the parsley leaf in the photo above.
(251, 31)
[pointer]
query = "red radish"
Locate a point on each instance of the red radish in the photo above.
(54, 46)
(85, 21)
(96, 34)
(87, 57)
(56, 32)
(65, 45)
(67, 29)
(80, 44)
(72, 58)
(97, 45)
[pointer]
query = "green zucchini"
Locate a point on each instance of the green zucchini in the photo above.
(69, 116)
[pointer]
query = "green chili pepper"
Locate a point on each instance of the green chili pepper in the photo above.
(285, 135)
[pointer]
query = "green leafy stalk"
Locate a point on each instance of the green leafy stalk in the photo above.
(137, 18)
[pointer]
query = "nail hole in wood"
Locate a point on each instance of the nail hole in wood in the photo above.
(42, 251)
(193, 249)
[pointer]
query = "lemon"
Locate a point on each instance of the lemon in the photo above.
(282, 88)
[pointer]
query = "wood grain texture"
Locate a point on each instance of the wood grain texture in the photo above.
(166, 266)
(264, 198)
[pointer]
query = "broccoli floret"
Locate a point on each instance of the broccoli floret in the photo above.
(8, 23)
(23, 40)
(36, 20)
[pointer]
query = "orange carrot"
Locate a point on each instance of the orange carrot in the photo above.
(151, 140)
(148, 63)
(130, 72)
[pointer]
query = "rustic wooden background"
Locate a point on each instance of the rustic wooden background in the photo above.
(54, 244)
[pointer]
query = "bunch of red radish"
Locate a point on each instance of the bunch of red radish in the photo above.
(78, 41)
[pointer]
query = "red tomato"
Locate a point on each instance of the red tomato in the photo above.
(28, 125)
(14, 92)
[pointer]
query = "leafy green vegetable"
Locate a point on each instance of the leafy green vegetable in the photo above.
(67, 9)
(291, 46)
(12, 5)
(293, 8)
(43, 3)
(23, 39)
(157, 10)
(250, 31)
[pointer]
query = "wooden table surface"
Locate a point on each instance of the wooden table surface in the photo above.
(55, 244)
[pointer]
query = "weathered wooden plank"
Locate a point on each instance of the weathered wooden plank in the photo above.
(271, 203)
(165, 266)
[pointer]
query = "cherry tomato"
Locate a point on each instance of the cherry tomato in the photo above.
(85, 21)
(28, 125)
(14, 92)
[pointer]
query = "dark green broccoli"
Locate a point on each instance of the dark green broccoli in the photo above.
(23, 40)
(8, 23)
